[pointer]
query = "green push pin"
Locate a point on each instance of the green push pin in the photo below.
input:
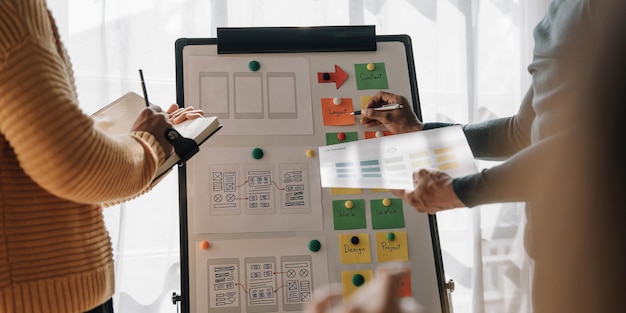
(254, 66)
(391, 236)
(257, 153)
(315, 245)
(358, 280)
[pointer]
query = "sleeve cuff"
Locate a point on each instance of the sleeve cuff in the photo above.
(151, 141)
(471, 190)
(434, 125)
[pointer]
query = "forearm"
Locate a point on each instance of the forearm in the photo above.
(57, 145)
(515, 180)
(498, 139)
(490, 140)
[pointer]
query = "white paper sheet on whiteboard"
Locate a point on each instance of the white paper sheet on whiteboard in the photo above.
(389, 162)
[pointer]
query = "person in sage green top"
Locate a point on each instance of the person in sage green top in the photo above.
(527, 142)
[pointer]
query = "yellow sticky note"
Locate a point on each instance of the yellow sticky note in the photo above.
(379, 190)
(395, 250)
(349, 278)
(354, 248)
(345, 191)
(364, 101)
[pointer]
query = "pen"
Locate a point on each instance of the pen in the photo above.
(143, 87)
(382, 108)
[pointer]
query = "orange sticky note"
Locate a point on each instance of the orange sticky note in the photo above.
(372, 134)
(337, 114)
(404, 286)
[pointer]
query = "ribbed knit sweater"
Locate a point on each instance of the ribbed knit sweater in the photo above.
(55, 171)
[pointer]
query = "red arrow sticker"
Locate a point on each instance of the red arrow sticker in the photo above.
(338, 77)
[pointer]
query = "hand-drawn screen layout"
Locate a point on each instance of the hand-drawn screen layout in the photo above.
(253, 95)
(259, 275)
(277, 193)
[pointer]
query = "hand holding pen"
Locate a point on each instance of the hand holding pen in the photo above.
(175, 113)
(156, 121)
(153, 120)
(392, 111)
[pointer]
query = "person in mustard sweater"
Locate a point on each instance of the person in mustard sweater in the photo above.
(57, 172)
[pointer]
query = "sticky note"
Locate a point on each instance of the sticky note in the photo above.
(349, 218)
(364, 101)
(379, 190)
(404, 286)
(386, 217)
(354, 253)
(337, 114)
(395, 250)
(348, 286)
(346, 191)
(366, 79)
(372, 134)
(332, 138)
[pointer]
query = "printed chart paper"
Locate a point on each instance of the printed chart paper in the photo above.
(389, 162)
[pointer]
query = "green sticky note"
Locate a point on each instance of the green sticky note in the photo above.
(374, 79)
(335, 138)
(385, 217)
(353, 218)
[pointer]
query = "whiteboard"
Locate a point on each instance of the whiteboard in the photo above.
(258, 233)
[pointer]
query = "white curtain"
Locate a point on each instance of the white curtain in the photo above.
(470, 56)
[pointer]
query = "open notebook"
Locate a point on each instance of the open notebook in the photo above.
(118, 117)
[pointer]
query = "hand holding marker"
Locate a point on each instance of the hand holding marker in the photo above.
(382, 108)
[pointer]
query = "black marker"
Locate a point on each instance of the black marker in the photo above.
(143, 87)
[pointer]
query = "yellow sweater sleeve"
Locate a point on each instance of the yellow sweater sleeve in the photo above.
(55, 142)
